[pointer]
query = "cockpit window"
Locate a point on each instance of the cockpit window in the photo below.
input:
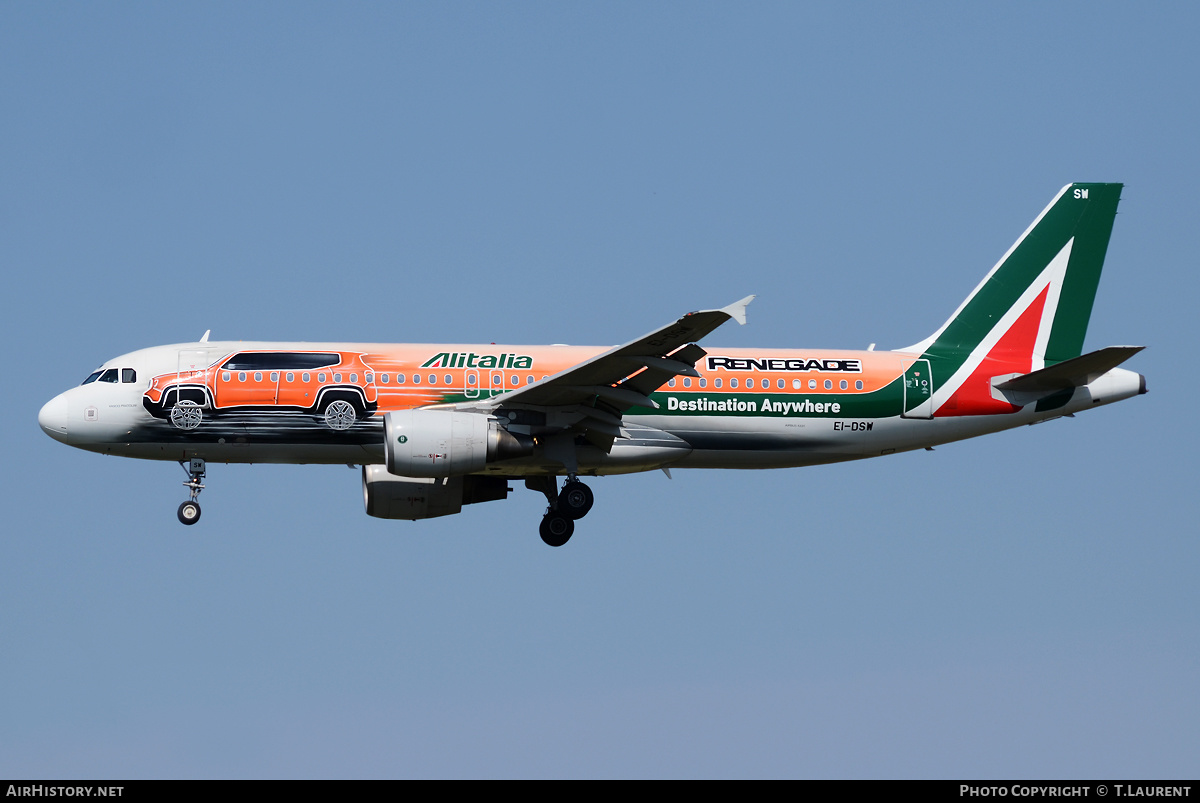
(128, 375)
(109, 376)
(92, 377)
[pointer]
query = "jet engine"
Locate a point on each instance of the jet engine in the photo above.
(387, 496)
(447, 443)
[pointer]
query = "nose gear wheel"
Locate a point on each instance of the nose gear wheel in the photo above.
(189, 512)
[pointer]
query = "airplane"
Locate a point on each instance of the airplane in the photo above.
(438, 427)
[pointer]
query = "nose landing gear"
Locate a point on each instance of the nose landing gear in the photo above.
(189, 511)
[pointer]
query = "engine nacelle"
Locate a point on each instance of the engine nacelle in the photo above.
(388, 496)
(446, 443)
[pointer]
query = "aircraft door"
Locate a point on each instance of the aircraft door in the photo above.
(471, 386)
(496, 383)
(918, 390)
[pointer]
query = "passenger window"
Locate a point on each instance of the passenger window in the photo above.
(274, 376)
(128, 375)
(321, 377)
(337, 377)
(732, 382)
(449, 379)
(812, 384)
(703, 382)
(225, 376)
(382, 378)
(354, 377)
(797, 384)
(400, 379)
(368, 377)
(858, 384)
(258, 376)
(109, 376)
(433, 379)
(471, 378)
(717, 382)
(767, 383)
(828, 384)
(842, 385)
(497, 379)
(305, 377)
(529, 380)
(290, 377)
(780, 384)
(516, 380)
(671, 384)
(241, 376)
(416, 379)
(687, 381)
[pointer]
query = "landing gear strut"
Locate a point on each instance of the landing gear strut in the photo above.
(564, 508)
(189, 511)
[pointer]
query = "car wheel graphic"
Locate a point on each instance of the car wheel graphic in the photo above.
(340, 415)
(186, 414)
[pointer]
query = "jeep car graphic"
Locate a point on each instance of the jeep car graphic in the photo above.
(337, 387)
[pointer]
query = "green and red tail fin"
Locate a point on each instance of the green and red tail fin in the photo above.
(1032, 309)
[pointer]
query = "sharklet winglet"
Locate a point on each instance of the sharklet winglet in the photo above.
(737, 310)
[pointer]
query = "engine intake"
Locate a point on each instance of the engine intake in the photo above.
(447, 443)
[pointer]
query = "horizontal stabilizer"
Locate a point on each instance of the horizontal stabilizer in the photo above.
(1073, 373)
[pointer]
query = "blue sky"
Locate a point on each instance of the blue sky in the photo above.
(1019, 605)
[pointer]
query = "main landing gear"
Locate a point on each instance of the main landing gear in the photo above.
(189, 511)
(572, 503)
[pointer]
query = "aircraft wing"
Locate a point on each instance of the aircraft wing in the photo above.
(616, 376)
(596, 392)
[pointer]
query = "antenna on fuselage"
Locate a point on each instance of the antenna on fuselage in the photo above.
(207, 332)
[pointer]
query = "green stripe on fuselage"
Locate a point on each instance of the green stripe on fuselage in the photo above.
(877, 404)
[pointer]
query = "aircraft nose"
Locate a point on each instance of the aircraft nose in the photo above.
(53, 417)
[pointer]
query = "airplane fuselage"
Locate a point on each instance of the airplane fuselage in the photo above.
(747, 408)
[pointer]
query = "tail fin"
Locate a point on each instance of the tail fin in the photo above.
(1035, 303)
